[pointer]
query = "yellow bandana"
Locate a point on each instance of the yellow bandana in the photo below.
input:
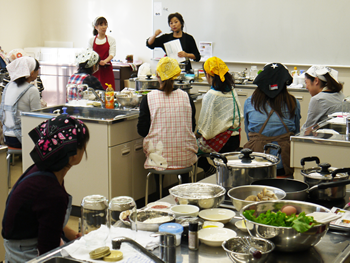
(168, 68)
(215, 66)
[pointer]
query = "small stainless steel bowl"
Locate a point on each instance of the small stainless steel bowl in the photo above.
(200, 194)
(149, 214)
(234, 251)
(287, 239)
(240, 193)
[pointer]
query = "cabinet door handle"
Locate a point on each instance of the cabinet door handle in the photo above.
(299, 97)
(243, 94)
(125, 151)
(138, 147)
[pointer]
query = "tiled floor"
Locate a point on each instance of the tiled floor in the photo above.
(16, 172)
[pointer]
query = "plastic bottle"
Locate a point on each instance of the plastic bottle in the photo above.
(295, 75)
(193, 241)
(109, 97)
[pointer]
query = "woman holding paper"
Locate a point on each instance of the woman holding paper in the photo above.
(189, 47)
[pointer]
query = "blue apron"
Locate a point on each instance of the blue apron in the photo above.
(19, 251)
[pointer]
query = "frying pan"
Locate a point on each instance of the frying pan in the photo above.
(298, 190)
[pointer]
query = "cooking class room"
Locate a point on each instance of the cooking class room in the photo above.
(174, 131)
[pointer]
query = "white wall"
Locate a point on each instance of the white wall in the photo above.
(20, 24)
(30, 23)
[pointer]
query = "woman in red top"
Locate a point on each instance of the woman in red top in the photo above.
(105, 48)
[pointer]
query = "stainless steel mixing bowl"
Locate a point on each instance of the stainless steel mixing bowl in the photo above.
(287, 238)
(150, 214)
(200, 194)
(240, 193)
(234, 251)
(126, 101)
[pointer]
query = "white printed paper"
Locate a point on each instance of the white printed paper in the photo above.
(157, 7)
(206, 50)
(172, 48)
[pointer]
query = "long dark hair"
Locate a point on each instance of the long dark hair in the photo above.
(179, 17)
(22, 80)
(167, 86)
(284, 98)
(331, 84)
(225, 86)
(101, 20)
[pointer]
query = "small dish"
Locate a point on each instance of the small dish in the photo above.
(215, 236)
(185, 210)
(241, 225)
(212, 224)
(217, 214)
(158, 206)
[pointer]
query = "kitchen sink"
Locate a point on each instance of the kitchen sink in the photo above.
(61, 260)
(88, 112)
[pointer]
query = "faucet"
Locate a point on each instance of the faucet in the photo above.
(117, 242)
(96, 95)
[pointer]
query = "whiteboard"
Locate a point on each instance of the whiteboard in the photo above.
(300, 32)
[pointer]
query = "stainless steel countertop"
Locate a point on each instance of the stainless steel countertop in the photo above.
(332, 248)
(87, 114)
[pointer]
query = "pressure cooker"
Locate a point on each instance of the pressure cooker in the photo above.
(147, 83)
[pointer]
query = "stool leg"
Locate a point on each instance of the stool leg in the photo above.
(8, 157)
(160, 185)
(146, 196)
(180, 178)
(195, 171)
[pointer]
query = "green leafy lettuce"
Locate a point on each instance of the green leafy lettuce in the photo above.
(300, 223)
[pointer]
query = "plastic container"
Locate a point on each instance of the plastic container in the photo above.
(109, 97)
(295, 75)
(172, 228)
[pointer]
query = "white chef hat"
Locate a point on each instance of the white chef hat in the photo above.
(87, 55)
(21, 67)
(320, 71)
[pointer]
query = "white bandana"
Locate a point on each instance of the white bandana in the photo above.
(87, 55)
(21, 67)
(320, 71)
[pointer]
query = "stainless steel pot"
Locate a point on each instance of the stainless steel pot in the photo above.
(147, 83)
(324, 173)
(245, 167)
(183, 84)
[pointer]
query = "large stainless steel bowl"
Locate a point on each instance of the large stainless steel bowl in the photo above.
(240, 193)
(150, 214)
(234, 251)
(286, 238)
(200, 194)
(127, 101)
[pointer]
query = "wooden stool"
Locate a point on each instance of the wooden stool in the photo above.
(174, 171)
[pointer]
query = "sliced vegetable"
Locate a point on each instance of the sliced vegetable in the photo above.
(301, 223)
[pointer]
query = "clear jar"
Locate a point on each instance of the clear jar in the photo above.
(94, 217)
(118, 205)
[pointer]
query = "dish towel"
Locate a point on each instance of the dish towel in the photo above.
(78, 249)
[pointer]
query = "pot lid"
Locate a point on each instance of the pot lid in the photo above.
(147, 80)
(323, 172)
(246, 158)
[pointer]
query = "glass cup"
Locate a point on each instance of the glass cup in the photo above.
(71, 95)
(118, 205)
(94, 210)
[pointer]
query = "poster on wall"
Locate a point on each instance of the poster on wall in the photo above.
(157, 8)
(205, 49)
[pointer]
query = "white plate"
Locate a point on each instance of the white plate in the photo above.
(163, 206)
(215, 236)
(241, 225)
(217, 214)
(212, 224)
(184, 210)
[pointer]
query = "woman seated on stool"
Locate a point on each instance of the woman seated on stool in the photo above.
(38, 206)
(88, 63)
(272, 115)
(19, 96)
(220, 117)
(324, 87)
(167, 121)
